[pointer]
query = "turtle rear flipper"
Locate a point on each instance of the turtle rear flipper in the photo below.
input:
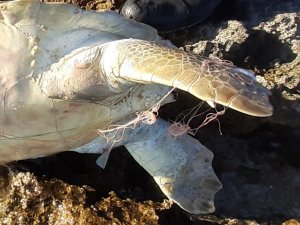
(181, 167)
(58, 28)
(33, 17)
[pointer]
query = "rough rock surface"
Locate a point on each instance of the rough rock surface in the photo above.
(256, 159)
(26, 199)
(265, 39)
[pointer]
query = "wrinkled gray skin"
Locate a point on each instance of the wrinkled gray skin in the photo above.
(168, 15)
(65, 73)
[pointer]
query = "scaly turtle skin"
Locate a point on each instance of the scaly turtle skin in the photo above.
(167, 15)
(65, 73)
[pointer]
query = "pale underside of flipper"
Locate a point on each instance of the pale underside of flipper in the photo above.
(181, 167)
(208, 79)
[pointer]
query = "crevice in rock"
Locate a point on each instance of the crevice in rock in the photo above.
(261, 51)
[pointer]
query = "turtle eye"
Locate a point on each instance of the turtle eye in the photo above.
(133, 10)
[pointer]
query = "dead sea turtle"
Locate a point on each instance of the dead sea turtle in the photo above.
(166, 15)
(67, 73)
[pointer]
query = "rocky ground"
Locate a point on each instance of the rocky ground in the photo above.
(256, 159)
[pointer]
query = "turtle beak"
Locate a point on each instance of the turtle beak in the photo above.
(236, 90)
(253, 107)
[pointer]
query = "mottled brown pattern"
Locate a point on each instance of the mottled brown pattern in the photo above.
(207, 79)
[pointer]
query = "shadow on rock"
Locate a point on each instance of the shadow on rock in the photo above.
(261, 50)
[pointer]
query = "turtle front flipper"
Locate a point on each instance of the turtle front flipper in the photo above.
(181, 167)
(208, 79)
